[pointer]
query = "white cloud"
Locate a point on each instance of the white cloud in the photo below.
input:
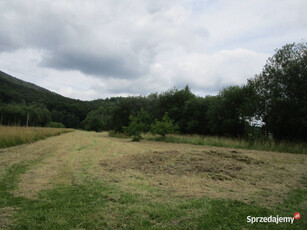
(260, 24)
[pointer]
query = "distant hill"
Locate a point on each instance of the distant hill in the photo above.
(17, 97)
(15, 90)
(16, 81)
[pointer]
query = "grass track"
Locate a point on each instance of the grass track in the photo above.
(91, 181)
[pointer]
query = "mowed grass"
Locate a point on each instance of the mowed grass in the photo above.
(87, 180)
(257, 144)
(16, 135)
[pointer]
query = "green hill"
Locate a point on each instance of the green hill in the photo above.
(20, 99)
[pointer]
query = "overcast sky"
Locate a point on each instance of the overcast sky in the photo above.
(103, 48)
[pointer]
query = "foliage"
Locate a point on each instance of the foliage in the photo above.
(19, 100)
(281, 88)
(194, 116)
(163, 127)
(228, 111)
(124, 108)
(112, 133)
(23, 115)
(134, 129)
(276, 97)
(138, 124)
(93, 120)
(173, 102)
(55, 125)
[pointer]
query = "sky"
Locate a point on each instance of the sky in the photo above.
(105, 48)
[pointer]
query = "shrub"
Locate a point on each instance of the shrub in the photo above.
(138, 124)
(164, 127)
(55, 125)
(112, 133)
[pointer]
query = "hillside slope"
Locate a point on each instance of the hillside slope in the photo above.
(15, 90)
(17, 97)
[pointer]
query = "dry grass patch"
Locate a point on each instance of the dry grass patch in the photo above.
(218, 165)
(122, 184)
(25, 153)
(218, 173)
(16, 135)
(158, 170)
(59, 166)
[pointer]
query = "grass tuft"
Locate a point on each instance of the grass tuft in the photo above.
(117, 134)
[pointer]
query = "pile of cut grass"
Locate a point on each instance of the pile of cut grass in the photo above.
(16, 135)
(262, 145)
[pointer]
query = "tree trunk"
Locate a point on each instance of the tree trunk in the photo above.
(28, 116)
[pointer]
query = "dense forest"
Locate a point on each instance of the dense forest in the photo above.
(273, 102)
(25, 103)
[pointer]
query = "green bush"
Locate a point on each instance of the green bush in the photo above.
(112, 133)
(134, 129)
(55, 125)
(138, 124)
(164, 127)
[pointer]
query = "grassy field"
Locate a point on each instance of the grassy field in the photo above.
(262, 145)
(16, 135)
(87, 180)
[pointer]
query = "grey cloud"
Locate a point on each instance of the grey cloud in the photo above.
(95, 64)
(24, 27)
(53, 29)
(7, 44)
(104, 39)
(143, 46)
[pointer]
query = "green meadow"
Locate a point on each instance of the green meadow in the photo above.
(88, 180)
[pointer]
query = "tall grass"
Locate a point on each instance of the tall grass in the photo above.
(264, 145)
(118, 135)
(16, 135)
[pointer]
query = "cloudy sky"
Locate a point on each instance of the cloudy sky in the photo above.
(102, 48)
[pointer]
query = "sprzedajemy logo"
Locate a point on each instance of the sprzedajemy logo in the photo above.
(273, 219)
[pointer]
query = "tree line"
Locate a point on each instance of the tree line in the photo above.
(272, 102)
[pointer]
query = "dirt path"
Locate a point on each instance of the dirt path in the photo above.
(177, 169)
